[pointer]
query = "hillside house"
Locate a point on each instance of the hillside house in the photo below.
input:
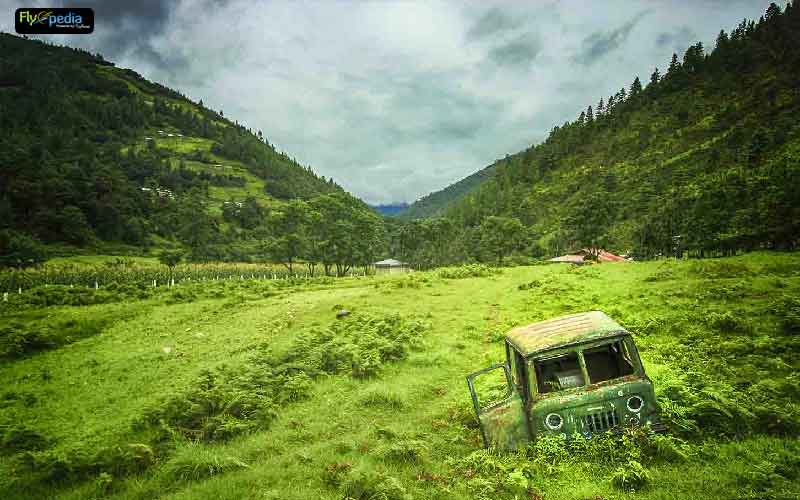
(578, 257)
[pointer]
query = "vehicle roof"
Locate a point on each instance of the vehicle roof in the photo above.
(564, 330)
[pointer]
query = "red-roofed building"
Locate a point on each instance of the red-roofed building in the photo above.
(579, 257)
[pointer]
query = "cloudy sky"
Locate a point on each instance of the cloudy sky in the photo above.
(398, 99)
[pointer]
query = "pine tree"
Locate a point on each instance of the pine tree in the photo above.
(674, 65)
(655, 77)
(600, 108)
(722, 40)
(589, 115)
(636, 87)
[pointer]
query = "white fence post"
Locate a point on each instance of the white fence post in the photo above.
(5, 296)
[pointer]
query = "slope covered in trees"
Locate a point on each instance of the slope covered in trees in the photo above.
(435, 203)
(93, 154)
(702, 157)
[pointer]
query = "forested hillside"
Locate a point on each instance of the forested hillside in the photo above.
(93, 155)
(435, 203)
(701, 156)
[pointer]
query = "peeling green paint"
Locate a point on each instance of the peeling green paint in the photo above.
(505, 426)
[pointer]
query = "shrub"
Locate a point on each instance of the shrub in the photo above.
(788, 312)
(371, 485)
(631, 476)
(222, 404)
(382, 398)
(17, 339)
(530, 285)
(334, 473)
(16, 438)
(408, 451)
(728, 322)
(61, 466)
(194, 462)
(467, 271)
(228, 401)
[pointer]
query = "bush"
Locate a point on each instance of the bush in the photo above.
(195, 462)
(408, 451)
(728, 322)
(222, 404)
(229, 401)
(17, 339)
(382, 398)
(20, 437)
(62, 466)
(334, 473)
(467, 271)
(631, 476)
(371, 485)
(20, 250)
(788, 312)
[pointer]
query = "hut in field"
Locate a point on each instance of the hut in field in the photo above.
(580, 257)
(390, 266)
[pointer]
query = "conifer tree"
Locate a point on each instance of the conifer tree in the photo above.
(674, 65)
(655, 77)
(636, 87)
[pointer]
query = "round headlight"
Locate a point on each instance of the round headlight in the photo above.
(553, 421)
(635, 404)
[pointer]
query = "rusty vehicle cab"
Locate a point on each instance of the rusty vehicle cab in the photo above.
(573, 375)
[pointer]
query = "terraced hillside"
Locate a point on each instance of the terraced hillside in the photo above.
(94, 154)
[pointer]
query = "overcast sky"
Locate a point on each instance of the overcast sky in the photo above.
(398, 99)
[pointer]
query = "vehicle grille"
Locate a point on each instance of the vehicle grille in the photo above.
(599, 422)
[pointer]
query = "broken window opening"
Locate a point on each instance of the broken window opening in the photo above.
(559, 373)
(609, 361)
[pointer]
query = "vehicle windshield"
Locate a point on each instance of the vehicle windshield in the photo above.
(609, 361)
(560, 372)
(604, 362)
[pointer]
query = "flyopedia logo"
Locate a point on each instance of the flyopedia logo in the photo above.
(38, 21)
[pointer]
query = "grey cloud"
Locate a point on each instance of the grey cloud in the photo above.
(128, 25)
(600, 43)
(518, 52)
(395, 100)
(493, 21)
(681, 37)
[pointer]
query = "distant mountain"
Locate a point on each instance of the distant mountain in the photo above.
(435, 203)
(391, 209)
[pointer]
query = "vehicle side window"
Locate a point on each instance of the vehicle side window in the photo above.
(608, 361)
(558, 373)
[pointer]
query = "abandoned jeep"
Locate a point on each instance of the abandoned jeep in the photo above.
(577, 374)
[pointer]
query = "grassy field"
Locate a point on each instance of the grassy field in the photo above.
(254, 389)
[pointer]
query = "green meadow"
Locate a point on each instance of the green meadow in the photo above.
(254, 388)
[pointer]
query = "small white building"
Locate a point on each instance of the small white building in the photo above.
(390, 266)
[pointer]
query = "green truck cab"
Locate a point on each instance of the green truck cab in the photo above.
(573, 375)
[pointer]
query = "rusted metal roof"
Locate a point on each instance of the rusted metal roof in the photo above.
(563, 330)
